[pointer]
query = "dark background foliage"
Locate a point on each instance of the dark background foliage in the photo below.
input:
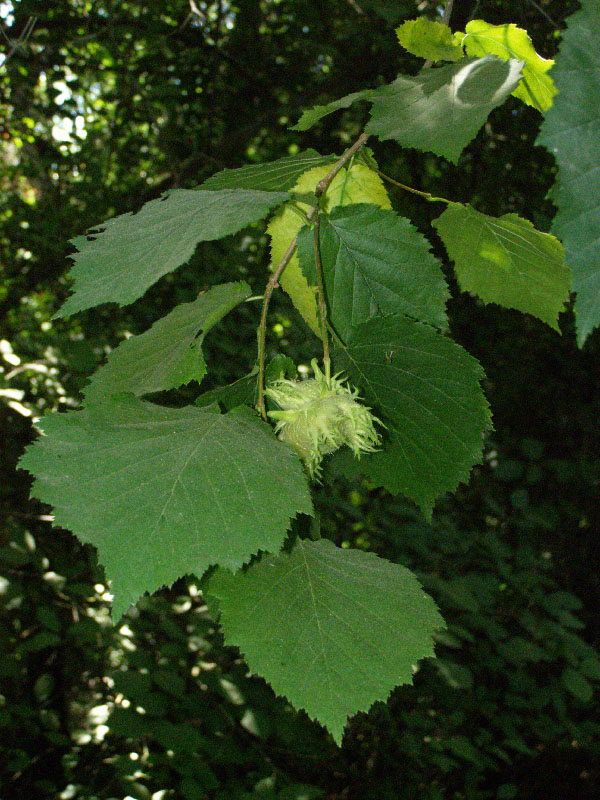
(155, 96)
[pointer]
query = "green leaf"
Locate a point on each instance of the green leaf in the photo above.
(571, 131)
(428, 39)
(274, 176)
(505, 260)
(244, 390)
(375, 263)
(120, 259)
(169, 354)
(162, 492)
(314, 114)
(577, 684)
(425, 388)
(440, 110)
(333, 630)
(536, 87)
(357, 184)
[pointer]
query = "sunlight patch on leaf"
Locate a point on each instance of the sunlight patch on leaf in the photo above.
(505, 260)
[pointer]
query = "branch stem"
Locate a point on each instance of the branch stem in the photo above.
(432, 198)
(262, 328)
(321, 299)
(273, 282)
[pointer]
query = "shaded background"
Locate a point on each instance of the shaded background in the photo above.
(107, 105)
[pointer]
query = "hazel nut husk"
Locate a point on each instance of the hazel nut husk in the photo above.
(319, 415)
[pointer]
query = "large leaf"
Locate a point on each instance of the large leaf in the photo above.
(314, 114)
(442, 109)
(425, 388)
(374, 263)
(274, 176)
(536, 87)
(358, 184)
(120, 259)
(506, 260)
(333, 630)
(571, 131)
(162, 492)
(429, 39)
(169, 354)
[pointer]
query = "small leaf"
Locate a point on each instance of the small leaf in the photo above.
(120, 259)
(536, 87)
(169, 353)
(505, 260)
(162, 492)
(333, 630)
(314, 114)
(577, 684)
(244, 390)
(425, 388)
(440, 110)
(375, 263)
(358, 184)
(274, 176)
(571, 131)
(428, 39)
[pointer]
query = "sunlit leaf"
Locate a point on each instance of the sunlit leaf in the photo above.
(441, 109)
(505, 260)
(536, 87)
(428, 39)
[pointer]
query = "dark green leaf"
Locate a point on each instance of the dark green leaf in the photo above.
(571, 131)
(425, 388)
(120, 259)
(442, 109)
(333, 630)
(162, 492)
(375, 263)
(274, 176)
(314, 114)
(169, 354)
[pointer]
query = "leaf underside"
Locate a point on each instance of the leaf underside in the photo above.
(120, 259)
(505, 260)
(333, 630)
(375, 263)
(162, 492)
(536, 87)
(169, 354)
(312, 115)
(273, 176)
(442, 109)
(426, 390)
(571, 131)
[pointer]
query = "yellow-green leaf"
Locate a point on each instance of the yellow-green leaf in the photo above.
(508, 41)
(505, 260)
(427, 39)
(358, 184)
